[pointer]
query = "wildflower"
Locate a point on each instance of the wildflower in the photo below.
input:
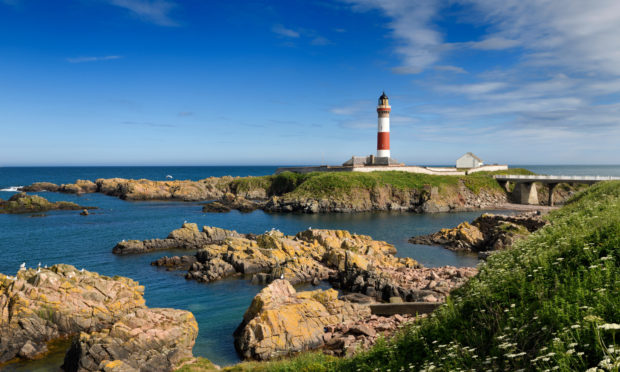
(610, 326)
(575, 326)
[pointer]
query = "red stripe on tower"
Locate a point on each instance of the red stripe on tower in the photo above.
(383, 141)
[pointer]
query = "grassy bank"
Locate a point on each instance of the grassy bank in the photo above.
(334, 184)
(552, 302)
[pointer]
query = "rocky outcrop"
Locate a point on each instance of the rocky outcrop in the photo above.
(24, 203)
(389, 198)
(488, 232)
(188, 237)
(411, 284)
(281, 321)
(308, 257)
(230, 202)
(144, 340)
(40, 305)
(41, 186)
(347, 338)
(351, 262)
(44, 304)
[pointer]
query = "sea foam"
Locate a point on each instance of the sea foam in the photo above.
(12, 188)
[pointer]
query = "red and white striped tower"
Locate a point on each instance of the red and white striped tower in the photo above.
(383, 137)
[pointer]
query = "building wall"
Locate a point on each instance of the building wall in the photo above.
(468, 161)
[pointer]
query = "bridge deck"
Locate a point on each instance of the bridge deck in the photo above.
(555, 179)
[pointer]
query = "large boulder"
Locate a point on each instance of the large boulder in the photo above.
(40, 305)
(144, 340)
(281, 321)
(117, 331)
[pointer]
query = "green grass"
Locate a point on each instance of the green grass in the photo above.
(545, 304)
(337, 184)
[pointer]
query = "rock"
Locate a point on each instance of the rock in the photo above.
(281, 321)
(188, 237)
(216, 207)
(395, 300)
(175, 262)
(24, 203)
(40, 305)
(41, 186)
(143, 340)
(117, 331)
(485, 233)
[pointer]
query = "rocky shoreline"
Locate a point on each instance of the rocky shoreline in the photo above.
(23, 203)
(350, 262)
(281, 321)
(112, 328)
(247, 194)
(487, 233)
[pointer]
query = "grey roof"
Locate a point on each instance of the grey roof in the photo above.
(473, 156)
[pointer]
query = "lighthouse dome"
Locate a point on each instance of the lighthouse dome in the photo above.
(383, 100)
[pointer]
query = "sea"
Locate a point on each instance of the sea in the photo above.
(87, 241)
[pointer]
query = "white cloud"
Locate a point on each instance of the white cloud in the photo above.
(410, 22)
(494, 43)
(449, 68)
(92, 59)
(283, 31)
(153, 11)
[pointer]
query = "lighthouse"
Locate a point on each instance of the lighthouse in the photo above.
(383, 135)
(383, 141)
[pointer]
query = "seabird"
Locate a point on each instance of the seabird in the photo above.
(282, 276)
(39, 265)
(38, 270)
(82, 270)
(22, 266)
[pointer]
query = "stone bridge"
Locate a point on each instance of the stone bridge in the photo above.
(525, 189)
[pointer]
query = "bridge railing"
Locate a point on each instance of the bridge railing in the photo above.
(550, 177)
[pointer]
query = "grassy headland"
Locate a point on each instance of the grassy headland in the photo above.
(330, 184)
(552, 302)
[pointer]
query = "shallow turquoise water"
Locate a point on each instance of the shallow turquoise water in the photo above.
(86, 242)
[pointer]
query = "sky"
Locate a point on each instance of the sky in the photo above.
(243, 82)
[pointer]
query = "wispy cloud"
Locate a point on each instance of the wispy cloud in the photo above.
(449, 68)
(302, 34)
(92, 59)
(186, 113)
(152, 11)
(353, 108)
(286, 32)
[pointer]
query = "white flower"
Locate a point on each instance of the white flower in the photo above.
(610, 326)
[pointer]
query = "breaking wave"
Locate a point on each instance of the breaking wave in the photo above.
(12, 188)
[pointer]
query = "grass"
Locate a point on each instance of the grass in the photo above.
(337, 184)
(552, 302)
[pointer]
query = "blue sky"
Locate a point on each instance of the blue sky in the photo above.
(202, 82)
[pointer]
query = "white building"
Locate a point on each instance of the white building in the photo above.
(469, 160)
